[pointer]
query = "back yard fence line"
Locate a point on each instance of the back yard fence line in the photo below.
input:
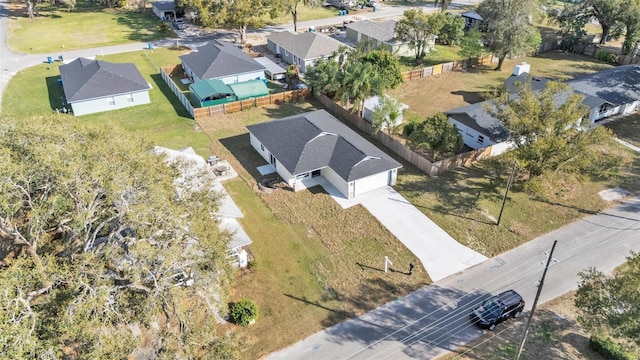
(400, 149)
(210, 111)
(447, 67)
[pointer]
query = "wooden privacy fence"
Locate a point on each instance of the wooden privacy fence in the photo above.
(209, 111)
(400, 149)
(446, 67)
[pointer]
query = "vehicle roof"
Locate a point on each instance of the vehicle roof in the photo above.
(509, 297)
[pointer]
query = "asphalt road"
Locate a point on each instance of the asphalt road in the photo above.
(434, 320)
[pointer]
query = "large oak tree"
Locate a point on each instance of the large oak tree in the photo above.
(102, 253)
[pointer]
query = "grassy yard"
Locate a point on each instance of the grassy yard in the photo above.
(454, 89)
(305, 13)
(165, 121)
(317, 264)
(440, 54)
(89, 25)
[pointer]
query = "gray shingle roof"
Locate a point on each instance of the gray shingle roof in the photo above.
(478, 118)
(219, 59)
(380, 30)
(314, 140)
(164, 5)
(537, 83)
(84, 79)
(618, 85)
(306, 45)
(472, 15)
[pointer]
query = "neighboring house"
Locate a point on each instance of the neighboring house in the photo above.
(193, 168)
(383, 35)
(223, 61)
(210, 92)
(92, 86)
(273, 70)
(369, 105)
(309, 147)
(606, 93)
(479, 129)
(610, 92)
(302, 49)
(472, 19)
(165, 10)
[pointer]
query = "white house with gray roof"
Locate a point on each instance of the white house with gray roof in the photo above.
(307, 147)
(605, 93)
(221, 60)
(383, 35)
(302, 49)
(92, 86)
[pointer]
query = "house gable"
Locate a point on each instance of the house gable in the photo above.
(219, 59)
(307, 45)
(315, 140)
(85, 79)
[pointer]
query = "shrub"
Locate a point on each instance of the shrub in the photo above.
(610, 349)
(163, 27)
(606, 56)
(243, 312)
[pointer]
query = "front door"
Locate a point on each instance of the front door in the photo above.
(272, 160)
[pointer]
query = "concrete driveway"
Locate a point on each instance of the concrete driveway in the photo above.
(440, 254)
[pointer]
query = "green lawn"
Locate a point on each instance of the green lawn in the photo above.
(165, 121)
(305, 13)
(89, 25)
(439, 55)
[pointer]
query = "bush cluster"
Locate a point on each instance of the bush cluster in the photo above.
(243, 312)
(606, 56)
(610, 349)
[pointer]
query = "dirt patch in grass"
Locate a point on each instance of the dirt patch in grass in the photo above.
(554, 334)
(447, 91)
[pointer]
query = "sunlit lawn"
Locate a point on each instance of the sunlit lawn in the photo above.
(165, 121)
(88, 25)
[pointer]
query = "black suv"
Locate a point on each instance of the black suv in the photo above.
(497, 309)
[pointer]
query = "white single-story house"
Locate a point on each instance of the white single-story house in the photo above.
(302, 49)
(223, 61)
(606, 93)
(92, 86)
(195, 172)
(370, 104)
(272, 70)
(165, 10)
(610, 92)
(383, 35)
(307, 147)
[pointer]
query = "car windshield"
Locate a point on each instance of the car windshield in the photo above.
(491, 307)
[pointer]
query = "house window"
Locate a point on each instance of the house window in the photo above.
(480, 139)
(130, 98)
(315, 173)
(286, 53)
(302, 176)
(112, 101)
(603, 108)
(261, 147)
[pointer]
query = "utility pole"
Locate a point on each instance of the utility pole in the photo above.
(535, 301)
(506, 192)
